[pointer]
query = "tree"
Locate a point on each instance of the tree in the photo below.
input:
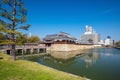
(33, 39)
(21, 39)
(117, 44)
(13, 16)
(4, 39)
(1, 37)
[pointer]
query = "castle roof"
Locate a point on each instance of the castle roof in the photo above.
(60, 36)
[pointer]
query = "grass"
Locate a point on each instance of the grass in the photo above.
(26, 70)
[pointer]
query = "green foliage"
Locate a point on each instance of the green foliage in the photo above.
(12, 17)
(1, 36)
(117, 44)
(4, 38)
(33, 39)
(25, 27)
(21, 39)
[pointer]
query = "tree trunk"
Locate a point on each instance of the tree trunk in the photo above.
(13, 52)
(13, 34)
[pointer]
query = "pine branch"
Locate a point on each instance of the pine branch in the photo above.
(23, 19)
(3, 9)
(8, 31)
(6, 42)
(2, 22)
(9, 2)
(25, 27)
(23, 10)
(6, 15)
(5, 24)
(20, 3)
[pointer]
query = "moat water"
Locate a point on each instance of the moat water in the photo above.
(95, 64)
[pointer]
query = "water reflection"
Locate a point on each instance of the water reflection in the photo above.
(65, 55)
(65, 58)
(60, 59)
(90, 58)
(96, 64)
(108, 52)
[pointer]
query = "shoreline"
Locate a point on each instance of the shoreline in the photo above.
(37, 70)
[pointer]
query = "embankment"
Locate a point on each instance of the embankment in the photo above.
(68, 47)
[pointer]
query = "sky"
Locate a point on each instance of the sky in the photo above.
(71, 16)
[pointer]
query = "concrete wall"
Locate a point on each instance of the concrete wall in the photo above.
(68, 47)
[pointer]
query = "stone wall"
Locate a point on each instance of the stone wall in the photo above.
(68, 47)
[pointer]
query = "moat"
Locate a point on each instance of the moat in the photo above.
(95, 64)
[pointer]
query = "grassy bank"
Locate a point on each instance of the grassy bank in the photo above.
(26, 70)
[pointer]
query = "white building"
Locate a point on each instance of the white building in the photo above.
(89, 30)
(101, 42)
(108, 41)
(90, 36)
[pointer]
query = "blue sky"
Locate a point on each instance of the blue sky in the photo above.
(71, 16)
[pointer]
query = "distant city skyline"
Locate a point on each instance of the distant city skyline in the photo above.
(71, 16)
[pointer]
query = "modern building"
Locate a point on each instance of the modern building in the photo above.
(60, 38)
(90, 36)
(108, 41)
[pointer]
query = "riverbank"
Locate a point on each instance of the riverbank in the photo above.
(27, 70)
(117, 48)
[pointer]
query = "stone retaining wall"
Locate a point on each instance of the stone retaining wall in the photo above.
(68, 47)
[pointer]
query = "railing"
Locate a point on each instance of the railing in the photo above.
(21, 47)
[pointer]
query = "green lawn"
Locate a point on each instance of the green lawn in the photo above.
(26, 70)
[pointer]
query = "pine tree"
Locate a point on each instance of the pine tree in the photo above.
(12, 18)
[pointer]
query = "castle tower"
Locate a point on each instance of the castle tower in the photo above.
(89, 30)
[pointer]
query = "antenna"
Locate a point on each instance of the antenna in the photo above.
(30, 34)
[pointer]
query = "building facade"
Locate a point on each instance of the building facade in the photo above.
(60, 38)
(108, 41)
(90, 36)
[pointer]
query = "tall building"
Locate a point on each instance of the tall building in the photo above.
(90, 36)
(108, 41)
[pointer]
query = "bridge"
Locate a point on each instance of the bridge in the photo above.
(24, 49)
